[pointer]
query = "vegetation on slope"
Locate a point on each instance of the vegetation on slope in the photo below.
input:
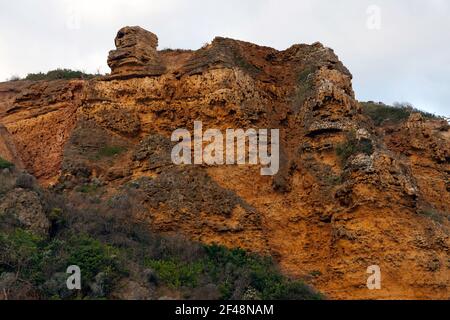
(59, 74)
(382, 113)
(113, 251)
(5, 164)
(352, 146)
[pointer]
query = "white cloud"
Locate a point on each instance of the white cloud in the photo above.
(407, 59)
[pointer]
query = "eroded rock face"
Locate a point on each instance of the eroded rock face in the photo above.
(40, 118)
(26, 207)
(135, 54)
(318, 215)
(7, 147)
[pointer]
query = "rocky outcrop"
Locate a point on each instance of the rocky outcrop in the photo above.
(8, 149)
(424, 146)
(39, 119)
(135, 54)
(25, 206)
(324, 217)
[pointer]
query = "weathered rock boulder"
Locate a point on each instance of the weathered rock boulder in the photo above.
(26, 207)
(136, 54)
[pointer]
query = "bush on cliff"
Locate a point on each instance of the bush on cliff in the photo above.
(382, 113)
(352, 146)
(59, 74)
(5, 164)
(109, 151)
(110, 248)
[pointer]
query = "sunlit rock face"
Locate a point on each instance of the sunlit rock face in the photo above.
(135, 54)
(348, 194)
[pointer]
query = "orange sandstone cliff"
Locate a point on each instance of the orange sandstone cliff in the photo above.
(324, 218)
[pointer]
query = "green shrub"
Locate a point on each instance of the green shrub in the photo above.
(345, 150)
(56, 215)
(231, 266)
(87, 188)
(18, 248)
(92, 257)
(5, 164)
(353, 146)
(177, 273)
(381, 113)
(37, 260)
(22, 251)
(292, 290)
(109, 151)
(108, 246)
(59, 74)
(236, 273)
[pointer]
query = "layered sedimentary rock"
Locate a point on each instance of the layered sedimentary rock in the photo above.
(323, 219)
(135, 54)
(40, 118)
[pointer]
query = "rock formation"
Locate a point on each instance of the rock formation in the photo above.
(8, 149)
(135, 55)
(324, 218)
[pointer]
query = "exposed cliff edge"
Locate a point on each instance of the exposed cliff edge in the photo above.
(348, 195)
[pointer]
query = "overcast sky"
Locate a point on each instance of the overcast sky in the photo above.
(397, 50)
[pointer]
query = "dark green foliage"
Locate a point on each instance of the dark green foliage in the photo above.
(109, 151)
(177, 273)
(19, 249)
(5, 164)
(345, 150)
(108, 246)
(381, 113)
(38, 259)
(233, 268)
(93, 257)
(31, 257)
(176, 50)
(87, 188)
(353, 146)
(235, 271)
(59, 74)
